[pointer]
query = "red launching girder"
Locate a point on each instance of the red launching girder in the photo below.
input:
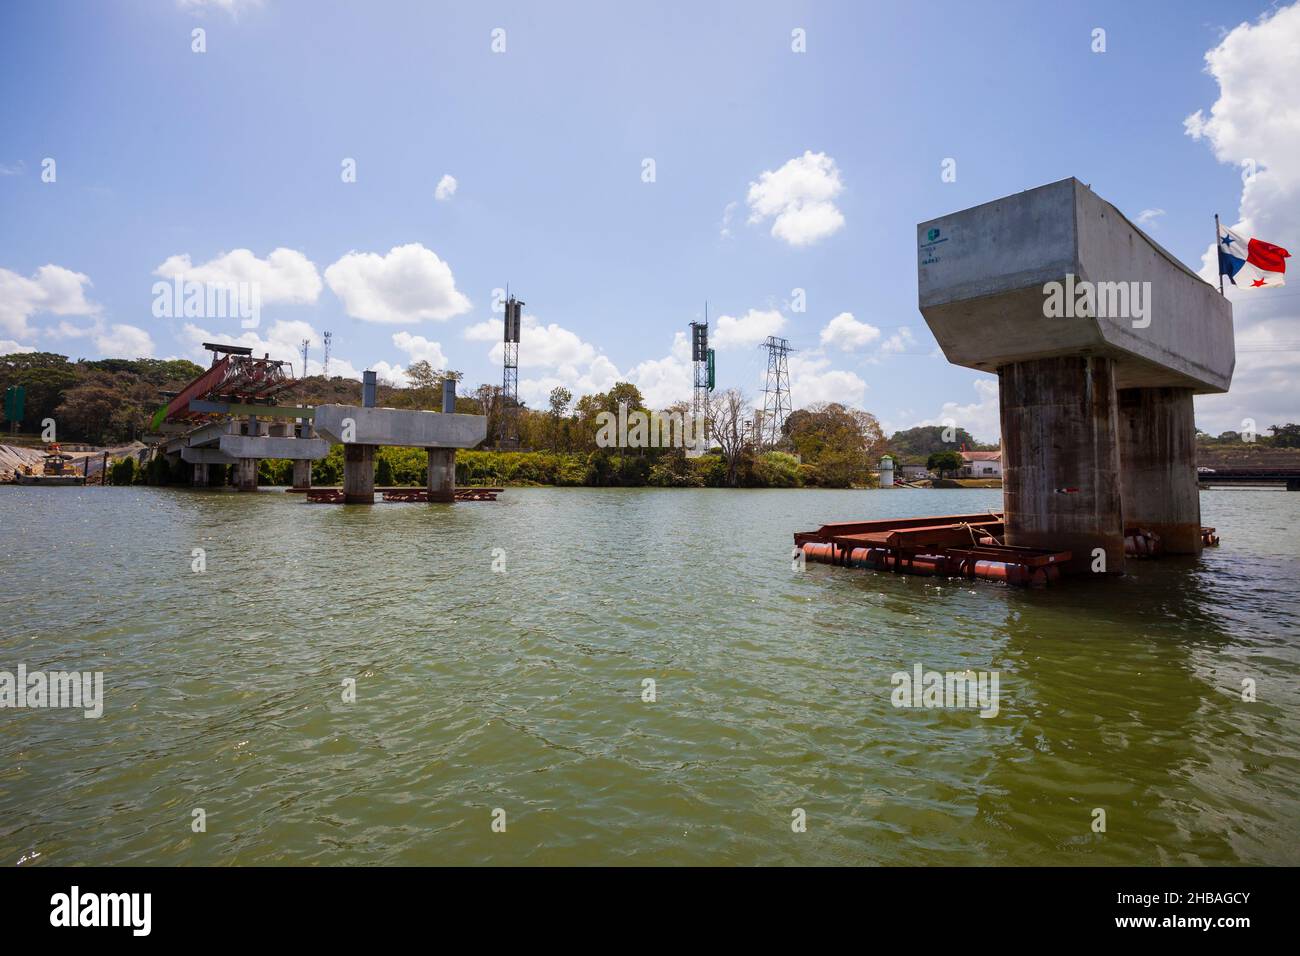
(233, 378)
(179, 407)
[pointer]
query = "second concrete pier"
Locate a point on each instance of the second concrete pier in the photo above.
(1060, 479)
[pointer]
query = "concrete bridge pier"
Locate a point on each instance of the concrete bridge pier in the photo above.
(1100, 338)
(199, 475)
(358, 474)
(1157, 448)
(442, 474)
(301, 473)
(246, 474)
(1061, 463)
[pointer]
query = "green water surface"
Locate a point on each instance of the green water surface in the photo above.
(478, 689)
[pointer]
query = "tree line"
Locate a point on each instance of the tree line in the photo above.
(826, 444)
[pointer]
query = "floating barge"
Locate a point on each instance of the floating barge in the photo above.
(960, 546)
(955, 546)
(57, 470)
(336, 496)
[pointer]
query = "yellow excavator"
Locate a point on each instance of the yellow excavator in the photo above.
(57, 468)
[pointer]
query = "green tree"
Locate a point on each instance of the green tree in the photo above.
(945, 462)
(922, 441)
(776, 469)
(559, 401)
(1285, 436)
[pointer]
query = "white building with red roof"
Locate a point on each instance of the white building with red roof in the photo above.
(981, 464)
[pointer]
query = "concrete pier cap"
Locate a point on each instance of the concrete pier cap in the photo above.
(361, 429)
(1099, 338)
(399, 426)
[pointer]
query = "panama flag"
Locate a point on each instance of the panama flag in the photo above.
(1251, 264)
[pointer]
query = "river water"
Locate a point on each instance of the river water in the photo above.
(499, 653)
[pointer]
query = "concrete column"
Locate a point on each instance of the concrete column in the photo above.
(246, 474)
(1060, 458)
(1157, 451)
(199, 475)
(301, 473)
(359, 474)
(442, 474)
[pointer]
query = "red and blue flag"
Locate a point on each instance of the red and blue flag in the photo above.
(1251, 263)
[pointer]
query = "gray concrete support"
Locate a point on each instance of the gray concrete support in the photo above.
(1157, 450)
(246, 474)
(199, 475)
(442, 474)
(359, 474)
(1060, 455)
(302, 473)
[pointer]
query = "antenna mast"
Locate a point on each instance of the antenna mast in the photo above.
(509, 428)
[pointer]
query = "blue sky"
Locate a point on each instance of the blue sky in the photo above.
(162, 152)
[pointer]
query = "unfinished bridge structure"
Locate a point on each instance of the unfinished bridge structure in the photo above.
(229, 416)
(1099, 338)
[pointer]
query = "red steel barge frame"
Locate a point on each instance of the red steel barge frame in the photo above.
(334, 496)
(964, 546)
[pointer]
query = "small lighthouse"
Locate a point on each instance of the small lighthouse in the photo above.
(887, 472)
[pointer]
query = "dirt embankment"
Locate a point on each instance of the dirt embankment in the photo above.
(1246, 456)
(13, 458)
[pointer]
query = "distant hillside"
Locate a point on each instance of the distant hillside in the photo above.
(104, 401)
(1246, 456)
(916, 445)
(1278, 447)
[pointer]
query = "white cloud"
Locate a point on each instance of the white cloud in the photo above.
(747, 331)
(52, 289)
(1148, 216)
(408, 285)
(799, 198)
(669, 379)
(900, 341)
(15, 170)
(600, 376)
(123, 341)
(281, 341)
(421, 349)
(846, 333)
(233, 7)
(70, 330)
(981, 418)
(540, 346)
(10, 347)
(285, 276)
(727, 213)
(1255, 126)
(813, 380)
(577, 365)
(446, 188)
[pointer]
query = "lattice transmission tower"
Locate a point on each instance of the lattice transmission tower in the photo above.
(776, 391)
(509, 429)
(325, 361)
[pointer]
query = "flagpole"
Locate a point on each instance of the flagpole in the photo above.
(1217, 265)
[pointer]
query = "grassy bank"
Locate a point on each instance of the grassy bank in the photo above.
(599, 469)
